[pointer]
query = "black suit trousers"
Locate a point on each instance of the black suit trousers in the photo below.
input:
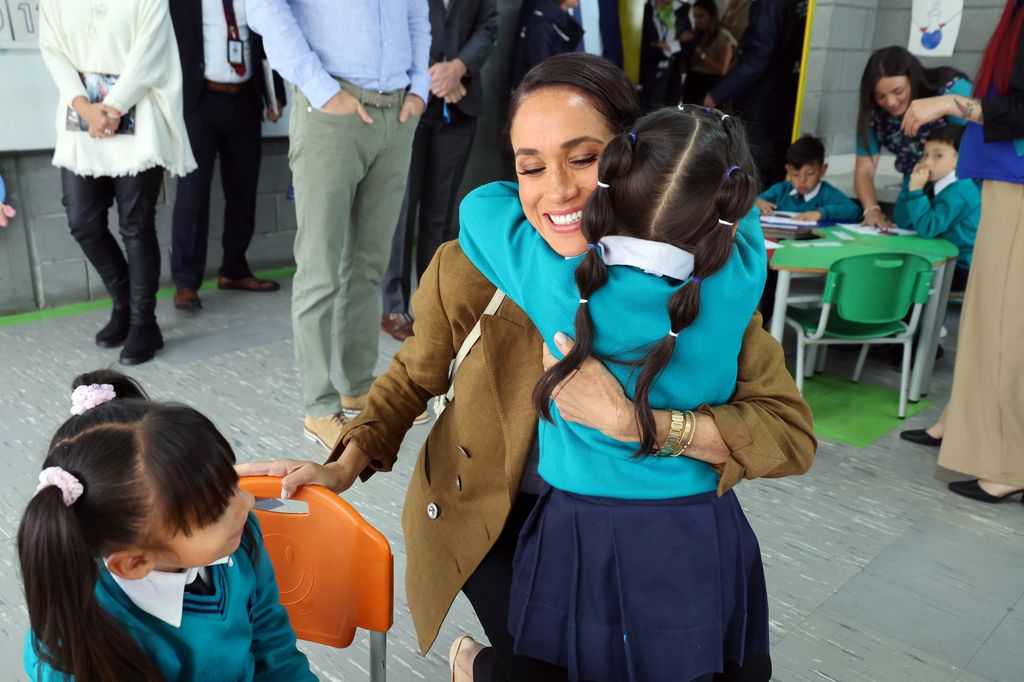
(225, 125)
(439, 154)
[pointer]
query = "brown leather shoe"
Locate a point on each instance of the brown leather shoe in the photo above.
(399, 325)
(187, 299)
(247, 284)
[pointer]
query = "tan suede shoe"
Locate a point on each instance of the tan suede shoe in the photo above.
(324, 430)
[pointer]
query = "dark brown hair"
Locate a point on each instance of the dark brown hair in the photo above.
(605, 86)
(670, 180)
(147, 468)
(897, 61)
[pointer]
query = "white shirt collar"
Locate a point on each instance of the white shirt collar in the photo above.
(656, 258)
(162, 594)
(810, 195)
(945, 182)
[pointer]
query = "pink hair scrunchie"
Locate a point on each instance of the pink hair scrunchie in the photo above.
(85, 398)
(70, 487)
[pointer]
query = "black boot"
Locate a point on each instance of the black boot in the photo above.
(136, 198)
(116, 331)
(143, 343)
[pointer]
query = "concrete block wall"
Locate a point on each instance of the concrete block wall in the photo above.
(844, 33)
(41, 265)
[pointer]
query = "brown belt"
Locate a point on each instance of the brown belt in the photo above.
(230, 88)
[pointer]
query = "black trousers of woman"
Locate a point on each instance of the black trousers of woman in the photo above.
(488, 590)
(131, 282)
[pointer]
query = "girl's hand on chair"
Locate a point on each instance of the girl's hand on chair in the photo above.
(592, 397)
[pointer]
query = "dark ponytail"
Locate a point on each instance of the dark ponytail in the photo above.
(683, 178)
(599, 219)
(143, 466)
(72, 632)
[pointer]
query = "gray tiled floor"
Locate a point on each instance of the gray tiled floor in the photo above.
(875, 572)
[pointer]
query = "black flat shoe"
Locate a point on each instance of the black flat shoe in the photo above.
(921, 437)
(974, 491)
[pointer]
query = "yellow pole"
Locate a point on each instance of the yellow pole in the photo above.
(631, 19)
(798, 113)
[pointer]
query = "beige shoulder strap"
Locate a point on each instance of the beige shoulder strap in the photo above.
(441, 401)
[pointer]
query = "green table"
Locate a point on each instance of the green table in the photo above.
(818, 255)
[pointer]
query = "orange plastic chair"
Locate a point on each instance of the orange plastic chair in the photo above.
(335, 571)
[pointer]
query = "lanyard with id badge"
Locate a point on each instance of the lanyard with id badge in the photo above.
(235, 54)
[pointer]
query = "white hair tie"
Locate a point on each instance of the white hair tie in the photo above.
(603, 184)
(85, 398)
(725, 222)
(672, 333)
(70, 487)
(584, 300)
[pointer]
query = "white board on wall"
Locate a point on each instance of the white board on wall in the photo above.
(28, 103)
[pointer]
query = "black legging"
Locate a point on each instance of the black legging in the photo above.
(488, 590)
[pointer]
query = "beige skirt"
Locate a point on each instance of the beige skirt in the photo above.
(984, 421)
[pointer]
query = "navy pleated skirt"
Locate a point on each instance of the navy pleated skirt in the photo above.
(643, 590)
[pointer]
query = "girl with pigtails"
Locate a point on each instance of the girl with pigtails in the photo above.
(631, 566)
(139, 554)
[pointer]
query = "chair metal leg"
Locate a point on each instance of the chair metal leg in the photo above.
(811, 361)
(905, 379)
(378, 656)
(860, 362)
(799, 369)
(822, 354)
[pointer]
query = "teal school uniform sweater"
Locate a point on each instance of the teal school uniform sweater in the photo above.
(628, 312)
(952, 214)
(833, 204)
(240, 632)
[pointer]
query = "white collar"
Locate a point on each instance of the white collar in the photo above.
(810, 195)
(162, 594)
(943, 183)
(656, 258)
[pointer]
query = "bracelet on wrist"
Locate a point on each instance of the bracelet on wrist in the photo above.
(876, 207)
(689, 436)
(675, 434)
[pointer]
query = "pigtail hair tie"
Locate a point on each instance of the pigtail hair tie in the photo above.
(673, 334)
(698, 280)
(584, 300)
(725, 222)
(632, 137)
(732, 169)
(605, 185)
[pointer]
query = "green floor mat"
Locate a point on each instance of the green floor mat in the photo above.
(856, 414)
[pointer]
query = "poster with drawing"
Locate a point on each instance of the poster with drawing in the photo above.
(934, 26)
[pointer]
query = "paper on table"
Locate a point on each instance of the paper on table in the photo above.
(786, 218)
(268, 76)
(771, 246)
(867, 229)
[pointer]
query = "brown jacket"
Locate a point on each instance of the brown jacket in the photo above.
(469, 469)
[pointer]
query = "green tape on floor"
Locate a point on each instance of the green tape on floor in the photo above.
(103, 304)
(856, 414)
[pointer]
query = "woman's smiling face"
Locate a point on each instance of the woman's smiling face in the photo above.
(557, 136)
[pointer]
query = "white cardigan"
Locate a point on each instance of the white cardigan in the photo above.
(133, 39)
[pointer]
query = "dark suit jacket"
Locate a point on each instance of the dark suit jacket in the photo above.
(187, 17)
(467, 31)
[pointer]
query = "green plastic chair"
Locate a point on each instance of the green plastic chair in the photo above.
(866, 299)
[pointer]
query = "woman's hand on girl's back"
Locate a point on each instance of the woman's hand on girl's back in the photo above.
(592, 397)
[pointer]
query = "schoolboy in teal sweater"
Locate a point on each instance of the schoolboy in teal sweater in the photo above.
(935, 203)
(805, 193)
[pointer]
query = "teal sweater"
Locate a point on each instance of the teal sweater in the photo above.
(952, 214)
(628, 312)
(833, 204)
(241, 632)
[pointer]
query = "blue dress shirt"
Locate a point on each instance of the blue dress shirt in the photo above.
(379, 45)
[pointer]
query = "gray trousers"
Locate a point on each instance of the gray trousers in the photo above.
(349, 180)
